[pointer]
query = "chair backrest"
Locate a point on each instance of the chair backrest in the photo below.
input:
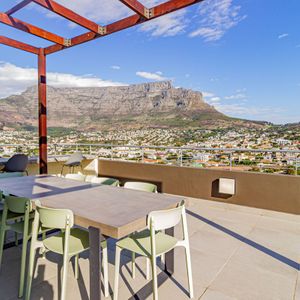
(89, 178)
(54, 218)
(18, 205)
(78, 177)
(105, 181)
(164, 219)
(141, 186)
(17, 163)
(74, 158)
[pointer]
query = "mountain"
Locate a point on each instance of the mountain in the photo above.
(156, 104)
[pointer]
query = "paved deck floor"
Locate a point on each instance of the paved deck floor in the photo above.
(237, 253)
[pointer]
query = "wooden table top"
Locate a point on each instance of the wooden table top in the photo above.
(116, 211)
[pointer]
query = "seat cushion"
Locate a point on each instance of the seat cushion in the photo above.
(79, 242)
(140, 243)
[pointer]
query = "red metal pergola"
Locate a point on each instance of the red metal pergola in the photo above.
(142, 14)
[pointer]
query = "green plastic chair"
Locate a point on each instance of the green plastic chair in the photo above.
(144, 187)
(78, 177)
(17, 210)
(152, 243)
(69, 243)
(141, 186)
(102, 180)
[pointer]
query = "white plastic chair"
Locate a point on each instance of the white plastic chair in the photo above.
(102, 180)
(141, 186)
(78, 177)
(152, 243)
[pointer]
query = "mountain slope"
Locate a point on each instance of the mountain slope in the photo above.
(144, 105)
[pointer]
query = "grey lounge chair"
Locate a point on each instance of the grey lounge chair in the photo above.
(17, 163)
(73, 161)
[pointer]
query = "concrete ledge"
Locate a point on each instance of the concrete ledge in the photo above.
(260, 190)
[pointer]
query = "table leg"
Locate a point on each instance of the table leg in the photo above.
(95, 263)
(169, 257)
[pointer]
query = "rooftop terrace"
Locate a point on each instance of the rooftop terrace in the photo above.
(237, 253)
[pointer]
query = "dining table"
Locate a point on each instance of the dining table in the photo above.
(112, 212)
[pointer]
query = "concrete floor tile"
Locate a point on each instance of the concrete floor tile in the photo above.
(215, 295)
(249, 282)
(213, 241)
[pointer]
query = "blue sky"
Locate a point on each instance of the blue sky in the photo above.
(244, 55)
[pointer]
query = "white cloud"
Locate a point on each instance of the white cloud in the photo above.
(208, 94)
(168, 25)
(214, 99)
(238, 96)
(240, 109)
(115, 67)
(103, 11)
(217, 17)
(14, 79)
(158, 76)
(283, 35)
(243, 111)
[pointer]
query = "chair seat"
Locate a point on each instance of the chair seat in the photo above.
(140, 243)
(79, 242)
(73, 164)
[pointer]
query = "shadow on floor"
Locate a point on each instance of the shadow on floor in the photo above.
(247, 241)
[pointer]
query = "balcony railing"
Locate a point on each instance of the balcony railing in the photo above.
(283, 161)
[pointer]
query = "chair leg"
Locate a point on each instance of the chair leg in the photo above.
(2, 237)
(117, 270)
(64, 276)
(189, 270)
(154, 278)
(148, 260)
(44, 235)
(105, 271)
(16, 239)
(30, 273)
(133, 265)
(23, 265)
(76, 266)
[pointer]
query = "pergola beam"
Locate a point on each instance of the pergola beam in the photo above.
(137, 7)
(158, 11)
(42, 110)
(143, 14)
(39, 32)
(18, 45)
(18, 7)
(68, 14)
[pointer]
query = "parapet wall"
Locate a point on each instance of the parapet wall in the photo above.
(267, 191)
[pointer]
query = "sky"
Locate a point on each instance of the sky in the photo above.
(243, 55)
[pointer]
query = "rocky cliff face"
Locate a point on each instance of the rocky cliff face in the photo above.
(150, 104)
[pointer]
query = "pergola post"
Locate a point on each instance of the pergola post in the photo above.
(42, 110)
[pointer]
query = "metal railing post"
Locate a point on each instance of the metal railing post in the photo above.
(181, 158)
(230, 161)
(143, 154)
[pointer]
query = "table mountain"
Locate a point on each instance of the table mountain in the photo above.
(156, 104)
